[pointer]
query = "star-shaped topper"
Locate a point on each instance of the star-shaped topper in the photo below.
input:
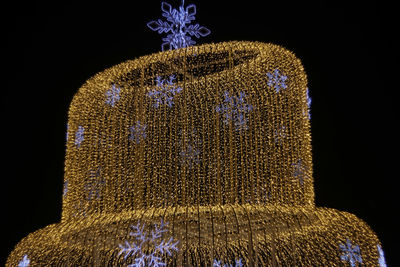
(178, 25)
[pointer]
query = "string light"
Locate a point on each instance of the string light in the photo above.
(219, 172)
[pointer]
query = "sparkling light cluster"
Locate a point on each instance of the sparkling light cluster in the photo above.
(212, 141)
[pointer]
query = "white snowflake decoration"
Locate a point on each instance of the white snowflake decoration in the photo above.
(179, 26)
(307, 110)
(164, 92)
(67, 133)
(351, 253)
(190, 156)
(234, 109)
(382, 261)
(308, 104)
(113, 95)
(190, 152)
(217, 263)
(138, 132)
(79, 136)
(160, 247)
(65, 191)
(300, 171)
(94, 185)
(24, 262)
(276, 80)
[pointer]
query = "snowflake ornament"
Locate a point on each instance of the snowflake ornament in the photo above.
(138, 132)
(300, 171)
(217, 263)
(65, 191)
(190, 152)
(190, 156)
(235, 109)
(178, 25)
(164, 92)
(308, 111)
(67, 134)
(382, 261)
(24, 262)
(280, 135)
(160, 246)
(113, 95)
(94, 185)
(276, 80)
(79, 136)
(351, 253)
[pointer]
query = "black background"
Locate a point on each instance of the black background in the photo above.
(348, 50)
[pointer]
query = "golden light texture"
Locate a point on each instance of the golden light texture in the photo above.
(231, 185)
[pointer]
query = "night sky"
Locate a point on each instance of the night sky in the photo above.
(348, 50)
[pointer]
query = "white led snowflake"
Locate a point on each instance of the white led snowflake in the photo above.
(276, 80)
(178, 25)
(382, 261)
(190, 152)
(300, 171)
(308, 103)
(234, 109)
(138, 132)
(160, 247)
(217, 263)
(95, 184)
(307, 111)
(113, 95)
(24, 262)
(190, 156)
(67, 133)
(164, 92)
(351, 253)
(79, 136)
(65, 191)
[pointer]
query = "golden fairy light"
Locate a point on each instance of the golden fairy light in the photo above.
(199, 156)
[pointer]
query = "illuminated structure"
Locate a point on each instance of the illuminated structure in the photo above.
(198, 156)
